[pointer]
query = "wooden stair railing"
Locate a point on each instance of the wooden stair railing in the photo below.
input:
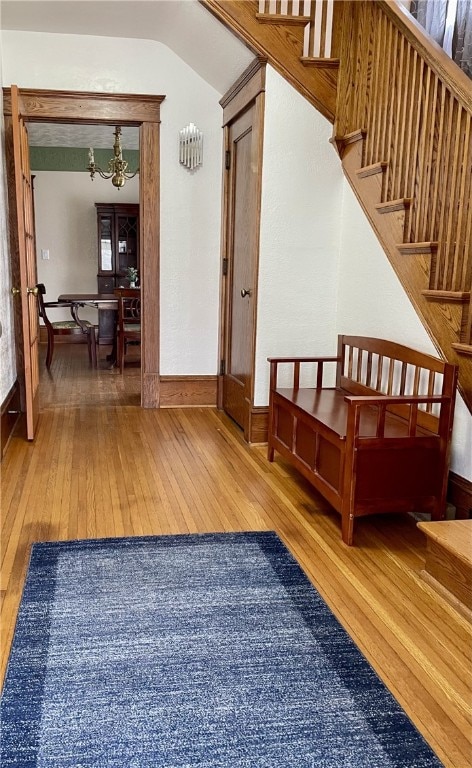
(316, 16)
(280, 36)
(406, 144)
(402, 126)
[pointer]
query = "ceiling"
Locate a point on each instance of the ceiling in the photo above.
(184, 26)
(96, 136)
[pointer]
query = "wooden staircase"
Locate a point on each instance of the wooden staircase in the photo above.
(402, 117)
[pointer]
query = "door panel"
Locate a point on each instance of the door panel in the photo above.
(243, 228)
(25, 240)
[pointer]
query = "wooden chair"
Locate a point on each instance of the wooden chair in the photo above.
(73, 327)
(129, 320)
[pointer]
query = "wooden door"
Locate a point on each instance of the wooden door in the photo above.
(26, 255)
(243, 212)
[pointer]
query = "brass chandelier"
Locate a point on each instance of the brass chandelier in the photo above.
(117, 167)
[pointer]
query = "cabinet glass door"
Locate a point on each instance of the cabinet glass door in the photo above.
(106, 250)
(127, 255)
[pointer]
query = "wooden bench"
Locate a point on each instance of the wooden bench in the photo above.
(376, 441)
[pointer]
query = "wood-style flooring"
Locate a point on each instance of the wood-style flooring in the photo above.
(101, 466)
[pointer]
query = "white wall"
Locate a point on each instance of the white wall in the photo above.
(300, 235)
(70, 233)
(307, 239)
(7, 349)
(190, 201)
(372, 302)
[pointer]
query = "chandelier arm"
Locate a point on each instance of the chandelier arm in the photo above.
(104, 175)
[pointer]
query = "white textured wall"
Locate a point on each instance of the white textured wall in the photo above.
(372, 302)
(300, 232)
(322, 271)
(7, 349)
(190, 201)
(70, 234)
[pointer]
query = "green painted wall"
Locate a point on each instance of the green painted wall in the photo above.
(76, 159)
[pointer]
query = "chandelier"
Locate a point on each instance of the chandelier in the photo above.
(117, 167)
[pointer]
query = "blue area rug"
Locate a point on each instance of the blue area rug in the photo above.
(206, 650)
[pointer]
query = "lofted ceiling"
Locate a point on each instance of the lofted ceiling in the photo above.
(184, 26)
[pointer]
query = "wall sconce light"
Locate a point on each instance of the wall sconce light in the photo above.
(117, 167)
(191, 147)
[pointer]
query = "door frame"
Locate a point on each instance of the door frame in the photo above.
(248, 89)
(140, 110)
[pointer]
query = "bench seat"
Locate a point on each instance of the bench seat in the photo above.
(329, 407)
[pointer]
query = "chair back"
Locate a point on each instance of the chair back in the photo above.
(129, 310)
(41, 308)
(129, 320)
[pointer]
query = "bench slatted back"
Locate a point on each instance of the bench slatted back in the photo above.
(372, 366)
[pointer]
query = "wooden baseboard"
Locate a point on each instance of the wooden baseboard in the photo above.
(10, 413)
(459, 493)
(259, 424)
(179, 391)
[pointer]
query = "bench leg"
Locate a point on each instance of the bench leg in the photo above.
(348, 528)
(439, 510)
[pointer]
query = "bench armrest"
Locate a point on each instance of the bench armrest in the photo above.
(410, 412)
(394, 399)
(296, 362)
(303, 359)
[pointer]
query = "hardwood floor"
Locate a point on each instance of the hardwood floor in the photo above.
(102, 466)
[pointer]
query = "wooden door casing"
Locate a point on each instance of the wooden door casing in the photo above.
(141, 110)
(240, 351)
(242, 195)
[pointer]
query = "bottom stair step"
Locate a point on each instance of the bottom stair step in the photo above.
(448, 567)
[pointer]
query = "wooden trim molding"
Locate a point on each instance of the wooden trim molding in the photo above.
(256, 66)
(10, 413)
(85, 106)
(194, 391)
(459, 493)
(259, 424)
(142, 110)
(245, 90)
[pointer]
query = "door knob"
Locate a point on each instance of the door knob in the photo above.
(245, 292)
(34, 290)
(15, 291)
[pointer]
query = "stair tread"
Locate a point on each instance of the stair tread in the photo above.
(465, 349)
(420, 247)
(318, 61)
(432, 293)
(371, 170)
(402, 202)
(455, 536)
(282, 18)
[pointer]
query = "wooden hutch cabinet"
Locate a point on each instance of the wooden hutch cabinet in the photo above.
(118, 244)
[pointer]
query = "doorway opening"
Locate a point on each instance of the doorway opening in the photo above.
(73, 107)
